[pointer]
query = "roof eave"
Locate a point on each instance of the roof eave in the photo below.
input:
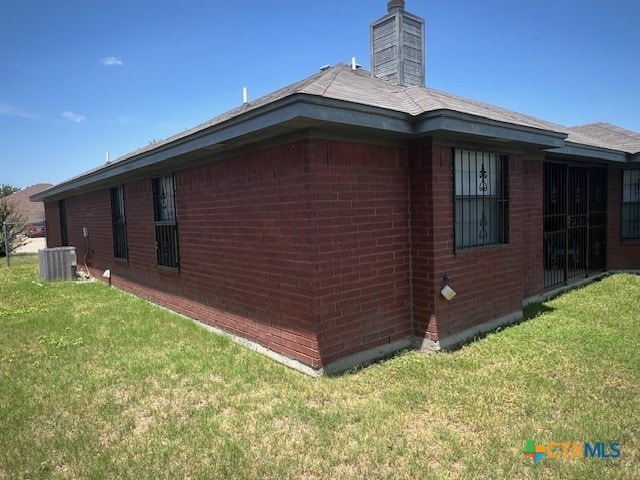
(452, 121)
(587, 151)
(288, 109)
(288, 112)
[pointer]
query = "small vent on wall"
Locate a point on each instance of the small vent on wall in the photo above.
(57, 263)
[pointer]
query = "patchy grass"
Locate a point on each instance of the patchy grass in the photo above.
(97, 384)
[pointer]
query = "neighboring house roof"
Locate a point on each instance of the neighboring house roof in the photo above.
(30, 211)
(353, 99)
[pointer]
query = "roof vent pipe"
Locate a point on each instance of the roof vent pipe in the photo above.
(245, 95)
(353, 63)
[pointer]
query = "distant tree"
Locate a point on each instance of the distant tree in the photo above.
(6, 189)
(15, 227)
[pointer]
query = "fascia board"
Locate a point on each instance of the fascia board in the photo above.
(586, 151)
(467, 124)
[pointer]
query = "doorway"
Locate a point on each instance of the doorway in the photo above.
(575, 222)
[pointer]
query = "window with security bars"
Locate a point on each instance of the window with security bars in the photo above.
(62, 210)
(631, 205)
(118, 223)
(481, 199)
(164, 212)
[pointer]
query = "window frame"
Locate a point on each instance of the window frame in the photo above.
(165, 222)
(632, 204)
(64, 229)
(488, 192)
(119, 223)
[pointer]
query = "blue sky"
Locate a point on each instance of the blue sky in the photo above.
(79, 78)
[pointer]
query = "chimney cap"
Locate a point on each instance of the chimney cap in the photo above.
(395, 5)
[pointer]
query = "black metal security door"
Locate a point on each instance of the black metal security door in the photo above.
(597, 259)
(575, 222)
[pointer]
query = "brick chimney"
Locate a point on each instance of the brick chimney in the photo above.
(397, 46)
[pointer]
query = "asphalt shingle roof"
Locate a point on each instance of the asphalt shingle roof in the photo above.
(360, 87)
(614, 137)
(31, 211)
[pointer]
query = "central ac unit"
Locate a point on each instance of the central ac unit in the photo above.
(57, 263)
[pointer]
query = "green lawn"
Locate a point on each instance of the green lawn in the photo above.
(97, 384)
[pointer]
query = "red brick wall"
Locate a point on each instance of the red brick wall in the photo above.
(361, 234)
(302, 248)
(621, 254)
(531, 227)
(489, 282)
(426, 192)
(243, 228)
(316, 248)
(52, 215)
(91, 210)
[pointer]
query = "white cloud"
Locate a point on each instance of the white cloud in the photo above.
(9, 111)
(112, 61)
(74, 117)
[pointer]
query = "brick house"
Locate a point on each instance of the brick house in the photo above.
(321, 222)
